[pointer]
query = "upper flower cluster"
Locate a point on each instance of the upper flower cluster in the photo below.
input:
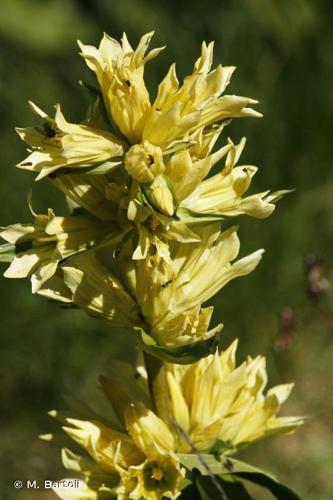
(177, 110)
(139, 177)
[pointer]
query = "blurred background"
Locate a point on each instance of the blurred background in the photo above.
(283, 51)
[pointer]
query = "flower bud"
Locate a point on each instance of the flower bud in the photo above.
(144, 162)
(160, 196)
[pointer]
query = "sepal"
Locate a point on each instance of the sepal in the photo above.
(184, 354)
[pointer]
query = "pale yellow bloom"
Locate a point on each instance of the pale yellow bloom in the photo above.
(161, 294)
(105, 445)
(156, 228)
(214, 399)
(40, 246)
(87, 284)
(222, 194)
(35, 252)
(169, 205)
(119, 70)
(157, 478)
(60, 144)
(189, 166)
(149, 432)
(213, 405)
(170, 291)
(186, 327)
(89, 192)
(126, 465)
(165, 148)
(178, 111)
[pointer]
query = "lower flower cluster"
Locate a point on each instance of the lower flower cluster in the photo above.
(210, 407)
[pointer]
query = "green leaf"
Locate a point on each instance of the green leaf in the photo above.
(183, 355)
(230, 466)
(208, 490)
(222, 448)
(192, 461)
(235, 489)
(280, 491)
(190, 492)
(231, 490)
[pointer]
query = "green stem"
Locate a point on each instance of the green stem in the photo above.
(154, 368)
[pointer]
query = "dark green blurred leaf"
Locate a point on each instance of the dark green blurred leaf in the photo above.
(280, 491)
(231, 490)
(231, 466)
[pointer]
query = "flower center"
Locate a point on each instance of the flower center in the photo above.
(157, 474)
(160, 474)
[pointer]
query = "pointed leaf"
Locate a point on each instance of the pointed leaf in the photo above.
(280, 491)
(190, 492)
(230, 490)
(231, 466)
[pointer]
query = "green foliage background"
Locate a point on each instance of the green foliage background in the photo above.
(283, 51)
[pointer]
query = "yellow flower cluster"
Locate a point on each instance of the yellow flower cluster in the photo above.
(216, 404)
(138, 175)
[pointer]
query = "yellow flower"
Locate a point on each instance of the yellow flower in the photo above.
(186, 327)
(170, 291)
(163, 295)
(222, 193)
(177, 111)
(40, 246)
(119, 70)
(154, 227)
(87, 284)
(214, 400)
(89, 192)
(171, 203)
(188, 167)
(157, 478)
(34, 253)
(212, 405)
(59, 144)
(149, 432)
(122, 468)
(105, 445)
(160, 295)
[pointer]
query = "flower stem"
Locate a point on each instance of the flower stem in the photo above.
(154, 367)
